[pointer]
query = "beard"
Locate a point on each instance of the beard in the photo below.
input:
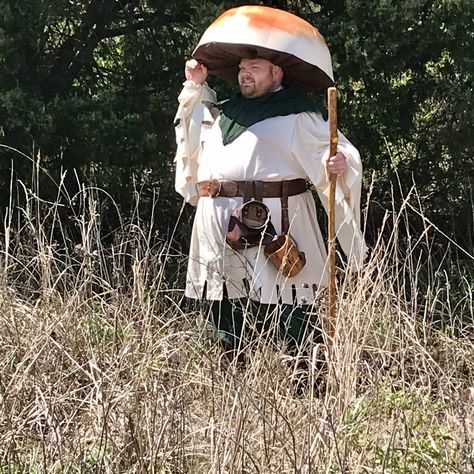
(251, 89)
(248, 89)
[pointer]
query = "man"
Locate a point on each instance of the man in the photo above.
(260, 146)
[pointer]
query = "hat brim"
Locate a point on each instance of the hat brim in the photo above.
(222, 59)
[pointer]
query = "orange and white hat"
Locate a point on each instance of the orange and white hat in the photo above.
(279, 36)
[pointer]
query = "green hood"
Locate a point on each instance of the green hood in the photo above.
(240, 113)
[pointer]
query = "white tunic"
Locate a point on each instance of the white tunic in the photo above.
(275, 149)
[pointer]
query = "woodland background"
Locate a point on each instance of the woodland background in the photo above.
(88, 91)
(105, 367)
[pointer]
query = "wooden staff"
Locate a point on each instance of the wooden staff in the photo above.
(331, 316)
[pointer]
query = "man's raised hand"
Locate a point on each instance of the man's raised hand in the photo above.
(195, 71)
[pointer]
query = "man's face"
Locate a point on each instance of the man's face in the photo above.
(258, 77)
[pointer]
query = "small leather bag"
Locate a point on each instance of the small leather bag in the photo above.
(285, 256)
(250, 226)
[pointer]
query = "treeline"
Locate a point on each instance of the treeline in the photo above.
(88, 91)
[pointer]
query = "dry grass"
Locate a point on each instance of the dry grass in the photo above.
(104, 369)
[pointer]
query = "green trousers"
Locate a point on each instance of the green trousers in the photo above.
(240, 322)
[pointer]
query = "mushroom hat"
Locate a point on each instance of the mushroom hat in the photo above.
(279, 36)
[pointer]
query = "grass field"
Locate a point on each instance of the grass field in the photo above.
(104, 368)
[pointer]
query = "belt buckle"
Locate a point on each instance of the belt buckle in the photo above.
(214, 188)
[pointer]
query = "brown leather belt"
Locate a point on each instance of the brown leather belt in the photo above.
(256, 189)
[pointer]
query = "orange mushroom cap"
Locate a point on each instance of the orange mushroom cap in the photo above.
(279, 36)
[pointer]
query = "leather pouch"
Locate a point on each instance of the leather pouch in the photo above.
(285, 256)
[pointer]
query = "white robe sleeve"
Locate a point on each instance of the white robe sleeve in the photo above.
(192, 117)
(310, 148)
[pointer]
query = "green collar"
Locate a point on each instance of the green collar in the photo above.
(240, 113)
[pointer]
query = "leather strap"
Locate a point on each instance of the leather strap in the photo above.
(249, 189)
(285, 220)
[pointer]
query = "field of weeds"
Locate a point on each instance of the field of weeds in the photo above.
(105, 367)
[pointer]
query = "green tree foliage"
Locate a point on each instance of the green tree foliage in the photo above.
(405, 73)
(91, 85)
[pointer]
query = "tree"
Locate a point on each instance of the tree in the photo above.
(405, 71)
(92, 85)
(85, 85)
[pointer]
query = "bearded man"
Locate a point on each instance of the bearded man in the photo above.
(263, 146)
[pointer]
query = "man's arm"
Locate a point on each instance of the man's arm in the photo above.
(194, 114)
(310, 147)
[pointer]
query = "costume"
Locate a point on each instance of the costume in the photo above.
(274, 149)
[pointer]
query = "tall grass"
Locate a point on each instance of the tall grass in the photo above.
(103, 367)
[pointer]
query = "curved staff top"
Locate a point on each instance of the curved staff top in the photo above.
(279, 36)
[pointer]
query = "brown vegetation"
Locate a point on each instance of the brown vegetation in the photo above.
(104, 369)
